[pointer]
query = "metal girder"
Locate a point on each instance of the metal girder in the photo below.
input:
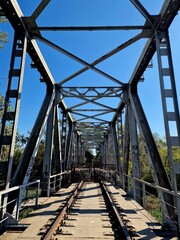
(86, 100)
(40, 8)
(15, 16)
(95, 28)
(91, 110)
(143, 11)
(164, 19)
(136, 172)
(171, 114)
(13, 94)
(91, 91)
(126, 148)
(77, 59)
(104, 57)
(90, 117)
(161, 177)
(157, 24)
(48, 155)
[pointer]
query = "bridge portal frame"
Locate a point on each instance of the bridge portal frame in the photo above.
(158, 24)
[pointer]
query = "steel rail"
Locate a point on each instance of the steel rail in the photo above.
(59, 219)
(124, 231)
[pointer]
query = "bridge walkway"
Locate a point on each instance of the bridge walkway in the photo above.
(136, 218)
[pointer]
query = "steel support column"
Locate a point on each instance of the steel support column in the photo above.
(78, 149)
(13, 94)
(64, 138)
(107, 150)
(116, 147)
(48, 155)
(136, 172)
(120, 139)
(169, 101)
(160, 174)
(57, 148)
(126, 148)
(70, 146)
(24, 167)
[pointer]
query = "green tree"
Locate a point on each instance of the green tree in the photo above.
(89, 156)
(98, 158)
(3, 35)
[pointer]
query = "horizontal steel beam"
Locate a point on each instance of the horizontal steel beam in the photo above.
(93, 28)
(91, 110)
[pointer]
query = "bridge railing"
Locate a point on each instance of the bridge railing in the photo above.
(22, 190)
(56, 181)
(129, 184)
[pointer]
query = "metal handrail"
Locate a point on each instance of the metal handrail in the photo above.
(19, 199)
(162, 189)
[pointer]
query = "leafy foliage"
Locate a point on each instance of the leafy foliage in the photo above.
(3, 35)
(89, 156)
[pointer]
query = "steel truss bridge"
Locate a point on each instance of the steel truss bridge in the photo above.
(91, 123)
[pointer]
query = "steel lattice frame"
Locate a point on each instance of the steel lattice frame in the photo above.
(98, 132)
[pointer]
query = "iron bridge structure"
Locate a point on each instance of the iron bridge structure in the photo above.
(77, 115)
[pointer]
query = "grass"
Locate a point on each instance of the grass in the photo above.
(29, 194)
(153, 206)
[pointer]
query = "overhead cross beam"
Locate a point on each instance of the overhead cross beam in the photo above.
(77, 59)
(104, 57)
(91, 91)
(95, 28)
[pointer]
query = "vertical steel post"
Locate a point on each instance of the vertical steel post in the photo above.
(70, 144)
(169, 101)
(126, 148)
(154, 157)
(57, 148)
(13, 92)
(64, 138)
(116, 147)
(107, 150)
(135, 155)
(120, 139)
(48, 155)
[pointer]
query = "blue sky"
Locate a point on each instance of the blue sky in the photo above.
(89, 46)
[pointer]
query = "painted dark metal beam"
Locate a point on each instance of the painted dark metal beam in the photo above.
(23, 165)
(93, 101)
(48, 154)
(104, 57)
(94, 28)
(167, 13)
(91, 110)
(158, 168)
(40, 8)
(91, 117)
(143, 11)
(15, 16)
(77, 59)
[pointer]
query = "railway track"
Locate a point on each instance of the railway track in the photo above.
(89, 212)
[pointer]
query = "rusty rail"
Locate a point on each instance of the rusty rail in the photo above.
(60, 218)
(123, 229)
